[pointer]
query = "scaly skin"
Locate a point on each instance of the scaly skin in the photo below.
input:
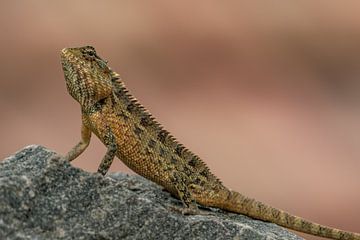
(133, 135)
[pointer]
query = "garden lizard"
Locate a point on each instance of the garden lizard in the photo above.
(130, 132)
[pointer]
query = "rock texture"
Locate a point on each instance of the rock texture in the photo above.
(43, 197)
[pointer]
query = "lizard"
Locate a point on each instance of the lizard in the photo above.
(133, 135)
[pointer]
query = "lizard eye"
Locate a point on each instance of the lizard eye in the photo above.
(89, 54)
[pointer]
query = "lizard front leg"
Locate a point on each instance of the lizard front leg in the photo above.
(110, 154)
(81, 146)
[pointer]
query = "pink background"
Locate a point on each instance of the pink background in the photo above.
(266, 92)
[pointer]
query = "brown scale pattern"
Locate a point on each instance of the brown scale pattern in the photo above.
(135, 137)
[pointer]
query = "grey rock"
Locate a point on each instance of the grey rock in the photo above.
(44, 197)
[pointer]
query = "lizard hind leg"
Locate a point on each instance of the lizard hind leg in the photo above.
(180, 181)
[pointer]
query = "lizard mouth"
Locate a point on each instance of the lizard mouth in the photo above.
(64, 51)
(63, 54)
(68, 56)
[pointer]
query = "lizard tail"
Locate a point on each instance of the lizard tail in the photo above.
(238, 203)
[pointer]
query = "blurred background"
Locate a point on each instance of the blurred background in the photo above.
(266, 92)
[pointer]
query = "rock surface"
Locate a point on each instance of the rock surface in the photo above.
(44, 197)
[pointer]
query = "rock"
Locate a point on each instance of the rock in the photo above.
(44, 197)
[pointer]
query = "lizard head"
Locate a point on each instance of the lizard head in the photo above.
(88, 77)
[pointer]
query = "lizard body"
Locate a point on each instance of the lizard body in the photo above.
(129, 132)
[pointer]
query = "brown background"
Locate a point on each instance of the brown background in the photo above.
(266, 92)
